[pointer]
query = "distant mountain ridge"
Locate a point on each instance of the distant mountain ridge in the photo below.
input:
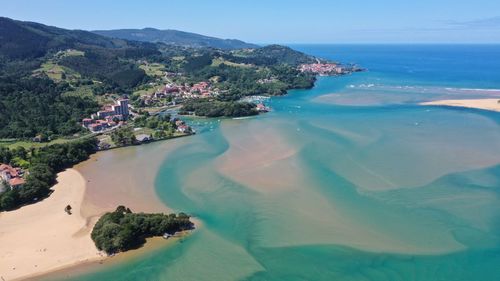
(175, 37)
(25, 40)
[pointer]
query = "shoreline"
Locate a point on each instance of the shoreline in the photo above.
(482, 104)
(31, 235)
(77, 253)
(92, 187)
(151, 246)
(148, 142)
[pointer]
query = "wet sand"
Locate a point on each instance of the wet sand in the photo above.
(126, 177)
(255, 155)
(380, 95)
(264, 159)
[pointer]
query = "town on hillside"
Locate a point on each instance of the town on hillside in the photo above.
(173, 93)
(328, 69)
(119, 124)
(123, 112)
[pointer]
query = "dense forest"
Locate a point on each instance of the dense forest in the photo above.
(31, 106)
(176, 37)
(270, 55)
(43, 165)
(244, 81)
(209, 108)
(123, 230)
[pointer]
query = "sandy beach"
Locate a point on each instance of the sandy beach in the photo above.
(152, 246)
(485, 104)
(42, 237)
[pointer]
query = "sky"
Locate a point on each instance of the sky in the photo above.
(280, 21)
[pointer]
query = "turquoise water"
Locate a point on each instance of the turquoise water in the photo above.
(361, 185)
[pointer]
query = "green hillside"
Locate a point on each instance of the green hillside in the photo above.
(175, 37)
(51, 78)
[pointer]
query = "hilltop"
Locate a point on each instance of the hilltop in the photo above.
(175, 37)
(26, 40)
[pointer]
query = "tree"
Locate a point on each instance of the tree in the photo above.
(159, 134)
(123, 136)
(44, 164)
(8, 201)
(122, 229)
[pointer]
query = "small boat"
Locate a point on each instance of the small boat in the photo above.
(166, 235)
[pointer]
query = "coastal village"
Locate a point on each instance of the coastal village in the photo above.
(172, 93)
(328, 69)
(167, 97)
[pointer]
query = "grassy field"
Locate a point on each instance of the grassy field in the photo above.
(153, 69)
(219, 61)
(87, 91)
(146, 131)
(81, 91)
(242, 53)
(30, 144)
(146, 90)
(106, 138)
(53, 71)
(56, 72)
(178, 58)
(71, 53)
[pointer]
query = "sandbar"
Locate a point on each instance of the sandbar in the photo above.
(484, 104)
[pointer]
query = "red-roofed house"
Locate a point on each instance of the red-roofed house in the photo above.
(17, 182)
(7, 172)
(86, 122)
(95, 127)
(12, 176)
(200, 87)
